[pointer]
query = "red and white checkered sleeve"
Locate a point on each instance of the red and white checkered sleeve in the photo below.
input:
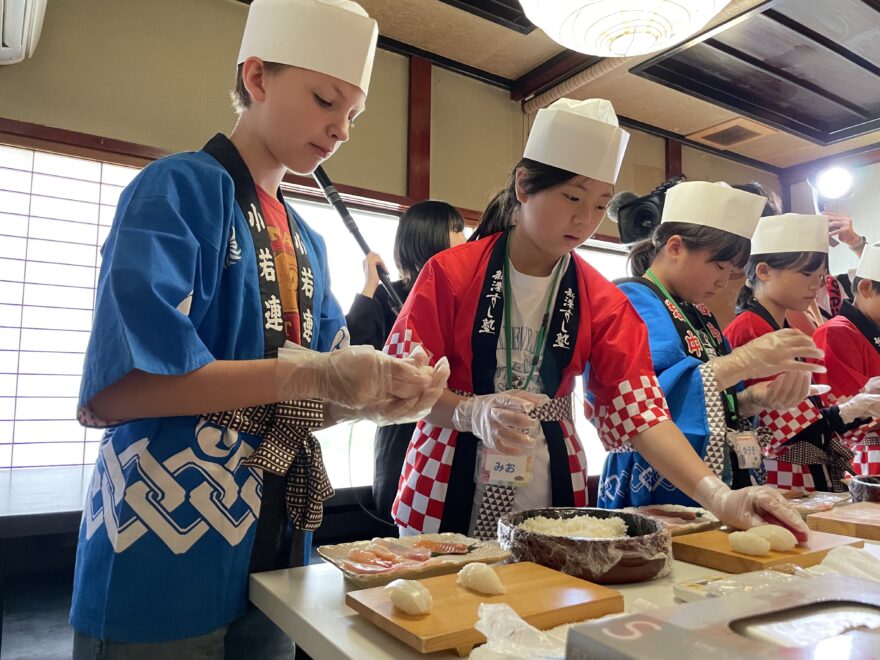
(638, 405)
(426, 317)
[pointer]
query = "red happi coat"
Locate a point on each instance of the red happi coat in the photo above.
(851, 342)
(455, 310)
(808, 416)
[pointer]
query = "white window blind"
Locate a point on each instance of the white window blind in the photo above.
(55, 212)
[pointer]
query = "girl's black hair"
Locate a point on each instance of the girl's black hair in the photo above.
(422, 232)
(721, 245)
(501, 211)
(802, 262)
(773, 205)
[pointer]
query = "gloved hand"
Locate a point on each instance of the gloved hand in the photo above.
(500, 420)
(396, 410)
(873, 385)
(782, 393)
(745, 508)
(861, 405)
(353, 377)
(768, 355)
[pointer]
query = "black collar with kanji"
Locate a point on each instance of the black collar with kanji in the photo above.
(866, 326)
(562, 330)
(274, 335)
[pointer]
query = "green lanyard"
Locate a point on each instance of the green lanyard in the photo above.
(730, 400)
(541, 340)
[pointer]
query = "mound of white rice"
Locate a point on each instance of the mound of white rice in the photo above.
(580, 526)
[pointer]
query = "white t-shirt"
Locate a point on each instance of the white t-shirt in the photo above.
(528, 304)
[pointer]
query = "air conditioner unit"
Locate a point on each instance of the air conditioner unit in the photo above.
(20, 24)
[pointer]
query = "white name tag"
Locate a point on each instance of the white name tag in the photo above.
(748, 451)
(497, 469)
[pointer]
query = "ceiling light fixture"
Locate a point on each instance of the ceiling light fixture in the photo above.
(620, 28)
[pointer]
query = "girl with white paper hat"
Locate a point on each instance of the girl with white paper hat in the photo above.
(207, 274)
(520, 316)
(851, 342)
(702, 238)
(787, 266)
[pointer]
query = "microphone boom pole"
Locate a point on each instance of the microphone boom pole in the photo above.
(336, 202)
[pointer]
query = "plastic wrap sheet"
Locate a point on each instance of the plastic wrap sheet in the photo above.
(853, 561)
(809, 629)
(645, 553)
(747, 582)
(508, 637)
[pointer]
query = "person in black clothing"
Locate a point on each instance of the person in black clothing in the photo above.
(424, 230)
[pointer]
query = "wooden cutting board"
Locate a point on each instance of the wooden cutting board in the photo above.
(712, 550)
(543, 597)
(861, 520)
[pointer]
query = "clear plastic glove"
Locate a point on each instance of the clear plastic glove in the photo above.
(748, 507)
(396, 410)
(500, 420)
(782, 393)
(768, 355)
(353, 377)
(862, 405)
(873, 385)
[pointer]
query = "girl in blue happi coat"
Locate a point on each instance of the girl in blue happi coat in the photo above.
(703, 237)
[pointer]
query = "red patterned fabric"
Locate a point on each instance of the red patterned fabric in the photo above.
(783, 425)
(439, 315)
(788, 476)
(638, 406)
(851, 361)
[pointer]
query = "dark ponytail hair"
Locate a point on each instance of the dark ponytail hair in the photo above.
(773, 205)
(422, 232)
(501, 211)
(803, 262)
(722, 245)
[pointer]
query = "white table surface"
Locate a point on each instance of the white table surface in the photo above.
(309, 605)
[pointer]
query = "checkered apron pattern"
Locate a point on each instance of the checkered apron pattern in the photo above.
(866, 461)
(422, 491)
(792, 468)
(788, 476)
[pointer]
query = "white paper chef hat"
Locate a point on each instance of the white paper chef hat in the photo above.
(334, 37)
(714, 205)
(791, 232)
(869, 264)
(579, 136)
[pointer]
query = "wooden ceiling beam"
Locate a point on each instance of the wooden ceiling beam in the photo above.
(551, 73)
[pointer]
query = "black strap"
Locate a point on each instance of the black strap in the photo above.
(757, 308)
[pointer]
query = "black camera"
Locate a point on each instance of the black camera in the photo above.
(637, 216)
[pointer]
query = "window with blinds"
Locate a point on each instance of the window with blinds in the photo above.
(55, 212)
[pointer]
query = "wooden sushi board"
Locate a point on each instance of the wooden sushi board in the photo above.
(712, 550)
(543, 597)
(861, 520)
